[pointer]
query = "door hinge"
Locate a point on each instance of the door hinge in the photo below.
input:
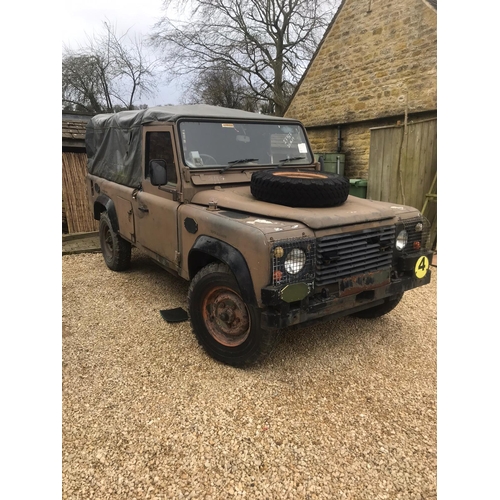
(178, 258)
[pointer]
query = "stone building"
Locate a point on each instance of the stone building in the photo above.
(376, 66)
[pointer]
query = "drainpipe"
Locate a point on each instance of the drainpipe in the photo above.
(339, 147)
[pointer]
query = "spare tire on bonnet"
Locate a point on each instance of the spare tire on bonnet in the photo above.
(295, 188)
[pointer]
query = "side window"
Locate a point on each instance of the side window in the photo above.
(159, 147)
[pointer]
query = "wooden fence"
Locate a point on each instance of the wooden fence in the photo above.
(75, 203)
(403, 167)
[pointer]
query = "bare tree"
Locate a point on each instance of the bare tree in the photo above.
(110, 72)
(268, 43)
(220, 86)
(82, 83)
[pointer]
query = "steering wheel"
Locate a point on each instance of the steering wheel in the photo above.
(212, 160)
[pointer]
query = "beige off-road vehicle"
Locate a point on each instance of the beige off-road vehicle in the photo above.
(236, 203)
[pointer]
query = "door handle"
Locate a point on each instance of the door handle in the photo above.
(144, 209)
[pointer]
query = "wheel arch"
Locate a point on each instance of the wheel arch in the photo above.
(105, 203)
(207, 250)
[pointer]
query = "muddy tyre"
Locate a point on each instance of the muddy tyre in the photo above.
(299, 188)
(115, 250)
(226, 327)
(380, 310)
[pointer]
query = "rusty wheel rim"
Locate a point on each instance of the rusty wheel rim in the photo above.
(300, 175)
(226, 316)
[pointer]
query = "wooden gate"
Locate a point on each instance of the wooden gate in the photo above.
(78, 216)
(403, 166)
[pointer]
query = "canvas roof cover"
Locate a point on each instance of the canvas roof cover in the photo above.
(113, 141)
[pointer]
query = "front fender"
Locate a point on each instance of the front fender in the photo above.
(207, 249)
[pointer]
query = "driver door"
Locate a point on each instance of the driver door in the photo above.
(155, 207)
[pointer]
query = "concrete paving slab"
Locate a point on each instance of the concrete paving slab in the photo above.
(80, 243)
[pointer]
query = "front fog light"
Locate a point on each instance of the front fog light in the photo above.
(401, 240)
(279, 252)
(295, 261)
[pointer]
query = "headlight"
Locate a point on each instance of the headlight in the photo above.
(295, 261)
(401, 240)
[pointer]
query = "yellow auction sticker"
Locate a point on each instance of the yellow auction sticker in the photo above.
(421, 267)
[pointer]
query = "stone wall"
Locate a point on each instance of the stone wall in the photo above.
(378, 59)
(355, 141)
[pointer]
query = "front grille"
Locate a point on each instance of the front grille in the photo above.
(348, 254)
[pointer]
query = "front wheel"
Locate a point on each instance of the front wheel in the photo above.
(375, 312)
(225, 326)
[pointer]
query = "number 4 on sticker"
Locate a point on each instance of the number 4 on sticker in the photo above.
(421, 266)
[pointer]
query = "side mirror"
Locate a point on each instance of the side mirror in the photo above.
(158, 172)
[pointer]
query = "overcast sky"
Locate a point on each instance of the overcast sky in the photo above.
(81, 18)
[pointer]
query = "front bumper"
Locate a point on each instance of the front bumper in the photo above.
(370, 293)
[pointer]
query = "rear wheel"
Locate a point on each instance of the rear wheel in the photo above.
(225, 326)
(375, 312)
(115, 250)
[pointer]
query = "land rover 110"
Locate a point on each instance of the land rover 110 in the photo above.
(235, 203)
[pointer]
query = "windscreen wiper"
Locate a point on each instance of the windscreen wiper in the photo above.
(292, 159)
(236, 162)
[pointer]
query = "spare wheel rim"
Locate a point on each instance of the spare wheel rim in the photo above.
(301, 175)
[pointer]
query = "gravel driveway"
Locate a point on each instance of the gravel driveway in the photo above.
(343, 410)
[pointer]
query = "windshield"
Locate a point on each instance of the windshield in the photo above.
(228, 144)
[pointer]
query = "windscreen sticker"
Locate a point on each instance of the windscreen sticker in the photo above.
(228, 125)
(421, 267)
(302, 147)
